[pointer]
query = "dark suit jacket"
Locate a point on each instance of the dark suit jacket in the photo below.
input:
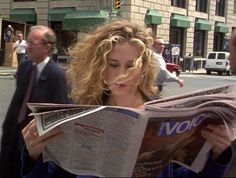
(51, 87)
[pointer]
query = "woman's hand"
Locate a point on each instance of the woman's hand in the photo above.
(218, 136)
(35, 144)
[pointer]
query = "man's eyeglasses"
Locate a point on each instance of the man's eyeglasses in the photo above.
(160, 43)
(33, 43)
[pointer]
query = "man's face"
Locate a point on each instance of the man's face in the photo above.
(37, 50)
(232, 57)
(159, 45)
(20, 37)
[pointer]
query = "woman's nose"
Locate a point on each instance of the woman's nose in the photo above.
(123, 71)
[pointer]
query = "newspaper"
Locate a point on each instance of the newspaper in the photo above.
(111, 141)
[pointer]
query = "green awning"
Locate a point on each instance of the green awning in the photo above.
(58, 13)
(221, 27)
(23, 14)
(152, 17)
(179, 21)
(202, 24)
(84, 20)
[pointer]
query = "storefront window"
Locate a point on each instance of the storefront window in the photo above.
(64, 38)
(198, 45)
(218, 41)
(154, 29)
(28, 26)
(176, 37)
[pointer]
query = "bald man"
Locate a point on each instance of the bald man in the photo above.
(164, 75)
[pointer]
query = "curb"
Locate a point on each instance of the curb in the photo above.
(6, 74)
(195, 71)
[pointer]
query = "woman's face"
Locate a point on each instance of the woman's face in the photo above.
(119, 61)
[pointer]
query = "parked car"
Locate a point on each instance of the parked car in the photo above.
(173, 68)
(217, 61)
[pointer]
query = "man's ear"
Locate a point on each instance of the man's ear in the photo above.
(49, 47)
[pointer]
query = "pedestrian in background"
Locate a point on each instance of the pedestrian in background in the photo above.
(39, 79)
(8, 34)
(20, 47)
(164, 75)
(114, 65)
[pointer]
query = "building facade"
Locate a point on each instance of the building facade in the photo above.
(195, 27)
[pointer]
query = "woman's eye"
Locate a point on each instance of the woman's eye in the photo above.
(113, 65)
(130, 66)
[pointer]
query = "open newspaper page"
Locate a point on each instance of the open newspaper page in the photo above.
(103, 141)
(123, 142)
(174, 132)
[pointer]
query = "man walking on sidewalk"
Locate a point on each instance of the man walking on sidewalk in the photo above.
(20, 47)
(39, 79)
(164, 75)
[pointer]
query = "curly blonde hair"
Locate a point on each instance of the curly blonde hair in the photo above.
(89, 60)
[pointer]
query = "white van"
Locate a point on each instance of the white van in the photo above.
(217, 61)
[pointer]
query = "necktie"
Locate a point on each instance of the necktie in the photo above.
(23, 109)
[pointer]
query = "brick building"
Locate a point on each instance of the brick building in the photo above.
(197, 26)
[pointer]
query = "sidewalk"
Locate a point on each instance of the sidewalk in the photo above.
(6, 71)
(198, 71)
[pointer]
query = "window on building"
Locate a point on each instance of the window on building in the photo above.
(218, 44)
(234, 6)
(178, 3)
(23, 0)
(201, 6)
(198, 44)
(220, 8)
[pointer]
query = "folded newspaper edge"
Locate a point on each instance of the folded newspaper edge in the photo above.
(228, 88)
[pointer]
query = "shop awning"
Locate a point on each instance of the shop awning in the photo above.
(221, 27)
(84, 20)
(179, 21)
(24, 14)
(58, 13)
(152, 17)
(202, 24)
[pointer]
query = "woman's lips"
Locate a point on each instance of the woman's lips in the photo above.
(120, 85)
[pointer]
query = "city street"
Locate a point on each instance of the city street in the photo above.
(7, 87)
(198, 81)
(192, 82)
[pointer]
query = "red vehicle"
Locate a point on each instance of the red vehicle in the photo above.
(173, 68)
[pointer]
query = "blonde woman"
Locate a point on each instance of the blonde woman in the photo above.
(111, 66)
